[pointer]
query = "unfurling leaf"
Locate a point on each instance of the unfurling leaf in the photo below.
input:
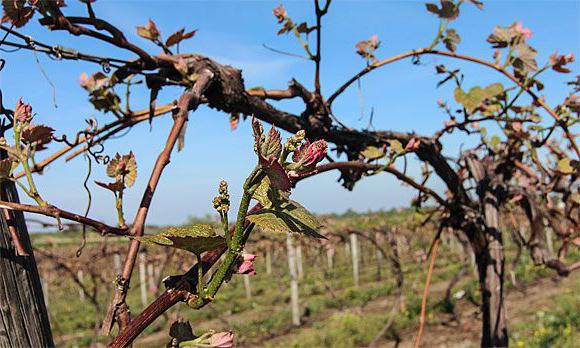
(37, 134)
(116, 186)
(495, 141)
(473, 99)
(149, 32)
(372, 153)
(451, 39)
(268, 196)
(525, 61)
(395, 146)
(558, 62)
(289, 217)
(196, 238)
(123, 168)
(448, 9)
(278, 177)
(16, 12)
(565, 166)
(179, 36)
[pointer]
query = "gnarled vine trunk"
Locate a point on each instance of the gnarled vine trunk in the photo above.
(23, 314)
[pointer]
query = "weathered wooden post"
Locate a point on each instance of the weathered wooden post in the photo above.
(379, 255)
(247, 286)
(80, 276)
(268, 259)
(293, 280)
(330, 257)
(23, 312)
(299, 264)
(355, 258)
(143, 279)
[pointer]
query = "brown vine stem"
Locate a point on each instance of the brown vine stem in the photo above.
(417, 341)
(57, 213)
(491, 65)
(189, 100)
(131, 120)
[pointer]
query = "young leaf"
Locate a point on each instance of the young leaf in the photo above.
(179, 36)
(123, 167)
(16, 12)
(196, 238)
(451, 39)
(38, 134)
(372, 153)
(290, 217)
(448, 9)
(149, 32)
(565, 166)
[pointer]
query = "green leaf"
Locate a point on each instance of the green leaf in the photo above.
(197, 238)
(372, 152)
(565, 167)
(396, 146)
(493, 90)
(267, 196)
(289, 217)
(495, 141)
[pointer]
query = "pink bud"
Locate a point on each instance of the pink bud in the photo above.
(413, 145)
(525, 32)
(222, 340)
(247, 265)
(23, 112)
(280, 13)
(374, 41)
(441, 103)
(309, 154)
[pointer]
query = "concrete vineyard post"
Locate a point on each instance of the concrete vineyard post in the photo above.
(355, 258)
(293, 280)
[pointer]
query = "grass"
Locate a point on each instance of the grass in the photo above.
(335, 313)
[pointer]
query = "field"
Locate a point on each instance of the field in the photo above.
(543, 309)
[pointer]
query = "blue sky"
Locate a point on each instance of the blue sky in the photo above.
(402, 95)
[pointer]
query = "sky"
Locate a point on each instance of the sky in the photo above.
(402, 96)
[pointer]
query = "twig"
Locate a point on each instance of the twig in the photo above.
(188, 101)
(417, 341)
(57, 213)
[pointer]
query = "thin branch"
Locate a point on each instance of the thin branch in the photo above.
(57, 213)
(417, 341)
(496, 67)
(188, 101)
(131, 120)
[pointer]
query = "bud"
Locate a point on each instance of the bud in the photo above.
(309, 154)
(23, 112)
(222, 340)
(280, 13)
(247, 265)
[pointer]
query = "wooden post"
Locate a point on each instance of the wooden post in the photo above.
(299, 263)
(23, 312)
(293, 280)
(378, 254)
(80, 276)
(330, 258)
(143, 279)
(355, 259)
(117, 263)
(151, 277)
(247, 286)
(268, 261)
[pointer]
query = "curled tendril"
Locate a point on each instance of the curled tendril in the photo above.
(106, 66)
